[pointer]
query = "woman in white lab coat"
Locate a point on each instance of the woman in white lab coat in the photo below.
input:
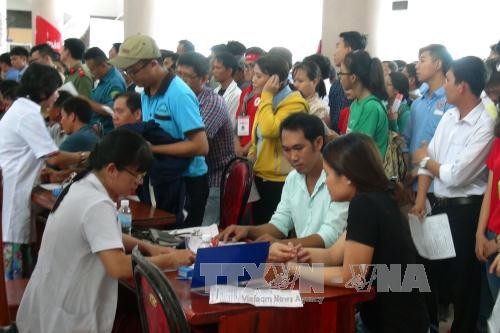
(25, 144)
(74, 285)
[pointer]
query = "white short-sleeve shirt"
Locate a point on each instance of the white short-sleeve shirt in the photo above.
(70, 290)
(232, 98)
(24, 140)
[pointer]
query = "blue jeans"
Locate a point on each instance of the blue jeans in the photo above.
(212, 209)
(360, 326)
(493, 280)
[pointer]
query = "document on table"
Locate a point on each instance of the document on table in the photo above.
(432, 237)
(193, 235)
(256, 297)
(212, 230)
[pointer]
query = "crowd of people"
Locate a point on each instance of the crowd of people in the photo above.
(341, 153)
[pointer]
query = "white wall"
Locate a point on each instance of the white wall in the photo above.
(111, 8)
(464, 27)
(19, 4)
(104, 32)
(295, 24)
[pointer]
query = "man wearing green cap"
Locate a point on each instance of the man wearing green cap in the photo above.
(72, 57)
(171, 103)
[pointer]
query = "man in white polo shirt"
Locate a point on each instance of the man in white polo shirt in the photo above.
(455, 160)
(305, 204)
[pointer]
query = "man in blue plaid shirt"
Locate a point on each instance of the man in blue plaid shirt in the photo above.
(348, 41)
(193, 68)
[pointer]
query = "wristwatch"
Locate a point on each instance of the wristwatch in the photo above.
(423, 162)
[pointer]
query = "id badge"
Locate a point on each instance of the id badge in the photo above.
(243, 126)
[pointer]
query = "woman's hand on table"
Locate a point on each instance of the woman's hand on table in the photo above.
(303, 255)
(174, 259)
(154, 250)
(182, 258)
(279, 252)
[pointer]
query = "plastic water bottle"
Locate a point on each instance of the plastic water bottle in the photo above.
(125, 217)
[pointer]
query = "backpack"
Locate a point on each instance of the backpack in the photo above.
(394, 163)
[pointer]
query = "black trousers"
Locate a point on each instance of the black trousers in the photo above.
(270, 196)
(197, 194)
(460, 275)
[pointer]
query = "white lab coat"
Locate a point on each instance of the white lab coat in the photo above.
(232, 98)
(70, 290)
(24, 141)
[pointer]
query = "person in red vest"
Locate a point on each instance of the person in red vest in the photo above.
(249, 102)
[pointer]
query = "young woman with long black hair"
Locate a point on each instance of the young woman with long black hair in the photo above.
(377, 234)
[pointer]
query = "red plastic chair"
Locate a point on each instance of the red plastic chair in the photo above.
(159, 307)
(235, 188)
(11, 292)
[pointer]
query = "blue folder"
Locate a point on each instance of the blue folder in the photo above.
(229, 264)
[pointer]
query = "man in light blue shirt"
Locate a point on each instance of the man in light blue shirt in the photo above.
(427, 110)
(172, 104)
(305, 204)
(19, 59)
(111, 84)
(8, 72)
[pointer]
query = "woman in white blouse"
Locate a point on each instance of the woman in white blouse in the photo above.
(25, 144)
(74, 285)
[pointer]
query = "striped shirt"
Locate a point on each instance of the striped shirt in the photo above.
(219, 133)
(336, 101)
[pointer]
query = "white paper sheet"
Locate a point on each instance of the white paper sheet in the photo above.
(70, 88)
(432, 237)
(221, 243)
(193, 235)
(256, 297)
(108, 110)
(212, 230)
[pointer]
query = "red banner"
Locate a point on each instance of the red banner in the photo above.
(47, 33)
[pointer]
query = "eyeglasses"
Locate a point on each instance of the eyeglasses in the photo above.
(344, 73)
(133, 71)
(183, 75)
(139, 177)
